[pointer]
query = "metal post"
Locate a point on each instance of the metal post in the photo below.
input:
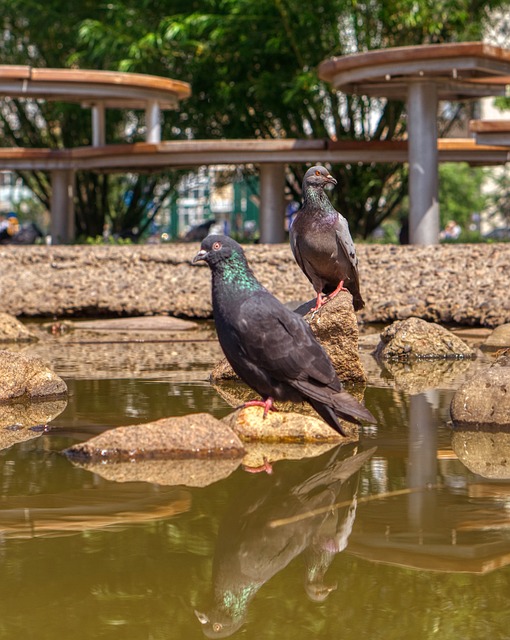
(62, 206)
(423, 163)
(272, 203)
(152, 117)
(98, 125)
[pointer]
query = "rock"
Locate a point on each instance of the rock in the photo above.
(258, 454)
(30, 414)
(417, 376)
(485, 398)
(415, 338)
(26, 377)
(499, 338)
(197, 435)
(289, 428)
(141, 323)
(12, 330)
(336, 328)
(190, 473)
(483, 452)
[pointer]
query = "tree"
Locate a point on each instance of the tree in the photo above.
(44, 35)
(252, 66)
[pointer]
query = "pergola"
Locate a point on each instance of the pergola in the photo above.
(422, 75)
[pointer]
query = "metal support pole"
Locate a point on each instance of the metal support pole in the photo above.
(98, 125)
(272, 203)
(62, 206)
(423, 163)
(153, 120)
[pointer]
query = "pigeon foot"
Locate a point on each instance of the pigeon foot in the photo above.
(268, 405)
(266, 466)
(339, 288)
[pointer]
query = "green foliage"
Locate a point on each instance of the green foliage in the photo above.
(460, 193)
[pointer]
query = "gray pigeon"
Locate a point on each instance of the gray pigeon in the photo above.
(321, 242)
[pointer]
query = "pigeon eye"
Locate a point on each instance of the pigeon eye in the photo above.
(217, 626)
(216, 246)
(317, 173)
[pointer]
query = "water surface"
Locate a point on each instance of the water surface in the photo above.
(392, 538)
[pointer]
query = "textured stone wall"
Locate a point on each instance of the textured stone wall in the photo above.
(461, 284)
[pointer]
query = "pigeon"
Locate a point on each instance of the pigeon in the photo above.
(321, 242)
(269, 346)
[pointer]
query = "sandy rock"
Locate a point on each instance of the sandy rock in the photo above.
(30, 414)
(485, 398)
(484, 452)
(12, 330)
(499, 338)
(415, 338)
(197, 435)
(26, 377)
(291, 428)
(190, 473)
(336, 328)
(135, 324)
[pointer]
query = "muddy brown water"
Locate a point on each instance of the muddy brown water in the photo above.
(392, 538)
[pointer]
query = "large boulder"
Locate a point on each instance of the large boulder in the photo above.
(336, 328)
(27, 378)
(12, 330)
(484, 399)
(414, 338)
(197, 435)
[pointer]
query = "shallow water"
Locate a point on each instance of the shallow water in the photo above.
(392, 538)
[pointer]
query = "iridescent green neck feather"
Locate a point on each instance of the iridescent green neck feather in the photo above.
(235, 272)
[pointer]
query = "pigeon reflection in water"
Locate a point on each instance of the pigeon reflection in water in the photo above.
(253, 544)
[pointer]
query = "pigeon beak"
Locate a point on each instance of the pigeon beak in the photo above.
(201, 255)
(329, 178)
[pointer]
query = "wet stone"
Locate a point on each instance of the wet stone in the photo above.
(283, 427)
(27, 378)
(485, 398)
(12, 330)
(485, 453)
(197, 435)
(175, 472)
(414, 338)
(499, 338)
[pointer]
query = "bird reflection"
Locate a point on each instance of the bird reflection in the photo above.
(308, 509)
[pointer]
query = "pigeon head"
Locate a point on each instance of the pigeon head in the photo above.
(217, 248)
(317, 177)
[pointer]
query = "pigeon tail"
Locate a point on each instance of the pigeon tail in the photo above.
(347, 407)
(358, 302)
(328, 415)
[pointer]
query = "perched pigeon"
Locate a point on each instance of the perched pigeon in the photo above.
(270, 347)
(321, 242)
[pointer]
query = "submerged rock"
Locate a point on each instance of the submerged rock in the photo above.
(190, 473)
(27, 378)
(285, 428)
(415, 338)
(485, 398)
(336, 328)
(12, 330)
(197, 435)
(484, 452)
(258, 454)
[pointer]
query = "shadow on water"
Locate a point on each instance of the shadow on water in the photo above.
(392, 538)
